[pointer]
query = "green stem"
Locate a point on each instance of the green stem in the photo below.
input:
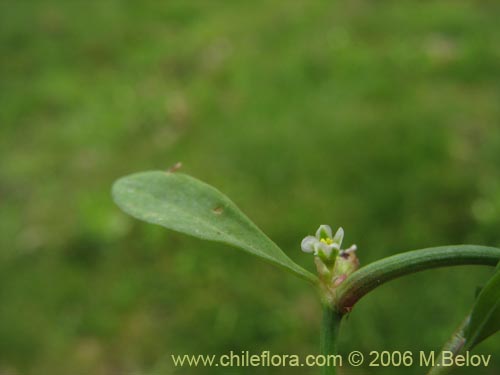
(330, 328)
(454, 345)
(377, 273)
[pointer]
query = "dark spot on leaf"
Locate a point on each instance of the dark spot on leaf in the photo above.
(218, 210)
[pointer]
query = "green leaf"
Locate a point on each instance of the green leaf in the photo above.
(184, 204)
(371, 276)
(485, 316)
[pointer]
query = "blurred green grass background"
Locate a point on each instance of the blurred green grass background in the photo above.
(382, 117)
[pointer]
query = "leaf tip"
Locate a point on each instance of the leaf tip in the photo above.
(174, 168)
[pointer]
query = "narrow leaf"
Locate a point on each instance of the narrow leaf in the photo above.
(485, 317)
(182, 203)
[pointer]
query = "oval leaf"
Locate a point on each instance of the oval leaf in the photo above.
(182, 203)
(485, 316)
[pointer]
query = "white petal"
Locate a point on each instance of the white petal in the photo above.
(352, 249)
(308, 244)
(339, 236)
(324, 231)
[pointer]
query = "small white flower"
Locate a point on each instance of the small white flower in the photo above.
(323, 243)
